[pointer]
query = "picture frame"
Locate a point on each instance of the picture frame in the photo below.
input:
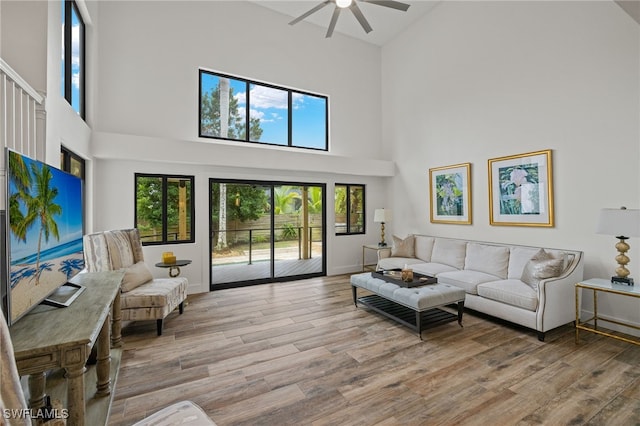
(521, 190)
(450, 194)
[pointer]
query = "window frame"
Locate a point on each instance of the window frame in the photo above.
(165, 179)
(65, 162)
(348, 187)
(290, 94)
(67, 77)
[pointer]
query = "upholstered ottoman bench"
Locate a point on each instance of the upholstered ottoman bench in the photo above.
(413, 307)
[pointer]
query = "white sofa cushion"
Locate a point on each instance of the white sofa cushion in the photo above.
(511, 292)
(403, 247)
(493, 260)
(449, 252)
(431, 269)
(466, 279)
(424, 247)
(397, 262)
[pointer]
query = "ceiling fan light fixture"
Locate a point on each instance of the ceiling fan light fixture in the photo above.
(352, 5)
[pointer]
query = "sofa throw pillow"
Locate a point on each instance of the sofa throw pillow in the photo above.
(403, 248)
(542, 265)
(134, 276)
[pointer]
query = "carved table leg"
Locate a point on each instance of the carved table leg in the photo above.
(103, 364)
(36, 390)
(75, 394)
(116, 324)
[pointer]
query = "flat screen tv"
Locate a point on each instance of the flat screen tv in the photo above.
(43, 232)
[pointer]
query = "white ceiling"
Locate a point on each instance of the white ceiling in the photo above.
(386, 22)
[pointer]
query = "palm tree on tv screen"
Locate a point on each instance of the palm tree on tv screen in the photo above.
(42, 208)
(39, 202)
(21, 179)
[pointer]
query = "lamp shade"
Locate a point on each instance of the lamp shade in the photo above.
(382, 216)
(619, 222)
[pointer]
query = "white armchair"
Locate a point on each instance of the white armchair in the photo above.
(142, 296)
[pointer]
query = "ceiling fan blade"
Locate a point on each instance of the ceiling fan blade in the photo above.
(360, 17)
(389, 3)
(306, 14)
(334, 20)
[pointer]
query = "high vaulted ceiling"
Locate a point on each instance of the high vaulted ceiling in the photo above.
(386, 23)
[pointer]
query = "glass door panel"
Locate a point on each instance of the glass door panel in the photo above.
(298, 230)
(265, 232)
(241, 232)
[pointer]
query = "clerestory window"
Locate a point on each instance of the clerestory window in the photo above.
(73, 57)
(237, 109)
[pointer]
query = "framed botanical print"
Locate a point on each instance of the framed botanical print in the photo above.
(521, 190)
(450, 192)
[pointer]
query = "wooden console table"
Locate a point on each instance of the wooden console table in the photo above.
(49, 338)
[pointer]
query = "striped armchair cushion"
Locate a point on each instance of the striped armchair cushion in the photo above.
(96, 253)
(119, 249)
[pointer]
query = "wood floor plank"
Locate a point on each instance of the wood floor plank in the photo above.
(300, 353)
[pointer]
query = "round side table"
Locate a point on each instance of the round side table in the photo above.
(174, 268)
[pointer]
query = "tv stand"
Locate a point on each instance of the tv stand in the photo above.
(64, 295)
(62, 338)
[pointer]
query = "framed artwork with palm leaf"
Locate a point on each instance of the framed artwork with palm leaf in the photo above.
(521, 190)
(450, 193)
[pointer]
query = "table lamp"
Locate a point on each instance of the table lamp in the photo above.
(381, 216)
(622, 223)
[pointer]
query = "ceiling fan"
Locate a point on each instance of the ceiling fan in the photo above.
(353, 6)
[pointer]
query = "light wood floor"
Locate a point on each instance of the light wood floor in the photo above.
(300, 353)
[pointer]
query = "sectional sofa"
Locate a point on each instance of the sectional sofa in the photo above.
(530, 286)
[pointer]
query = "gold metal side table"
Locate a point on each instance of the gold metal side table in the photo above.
(606, 286)
(371, 266)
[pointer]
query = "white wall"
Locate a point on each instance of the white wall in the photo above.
(30, 42)
(116, 179)
(478, 80)
(149, 54)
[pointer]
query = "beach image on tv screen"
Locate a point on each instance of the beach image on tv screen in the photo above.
(45, 231)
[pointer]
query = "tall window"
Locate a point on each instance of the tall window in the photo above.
(349, 209)
(242, 110)
(73, 65)
(164, 208)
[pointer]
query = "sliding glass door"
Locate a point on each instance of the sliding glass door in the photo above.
(265, 231)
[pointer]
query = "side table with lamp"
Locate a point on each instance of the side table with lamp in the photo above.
(381, 216)
(622, 223)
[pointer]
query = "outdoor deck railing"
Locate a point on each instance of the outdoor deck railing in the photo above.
(252, 234)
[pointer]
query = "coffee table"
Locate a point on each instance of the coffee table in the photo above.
(413, 307)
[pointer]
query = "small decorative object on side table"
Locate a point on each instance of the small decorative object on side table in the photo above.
(174, 268)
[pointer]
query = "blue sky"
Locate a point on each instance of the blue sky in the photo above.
(270, 105)
(75, 59)
(69, 222)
